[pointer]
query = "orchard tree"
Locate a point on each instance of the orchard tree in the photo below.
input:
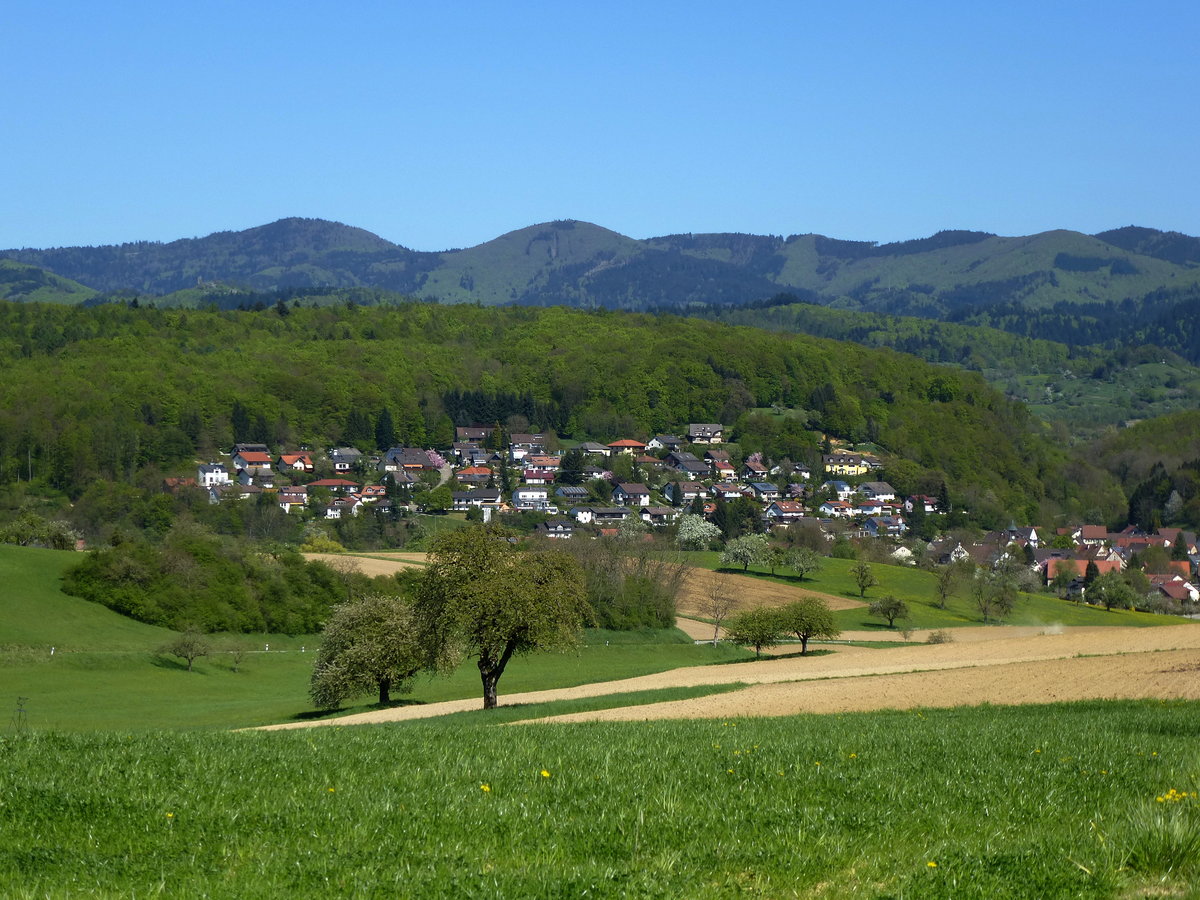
(995, 593)
(890, 608)
(757, 628)
(717, 602)
(809, 618)
(369, 644)
(803, 561)
(1064, 577)
(188, 646)
(695, 533)
(1111, 591)
(481, 598)
(863, 576)
(745, 551)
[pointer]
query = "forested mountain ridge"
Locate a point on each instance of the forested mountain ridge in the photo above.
(952, 273)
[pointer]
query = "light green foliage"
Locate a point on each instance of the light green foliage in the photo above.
(809, 618)
(1111, 591)
(745, 551)
(758, 628)
(290, 372)
(481, 598)
(31, 530)
(370, 643)
(803, 561)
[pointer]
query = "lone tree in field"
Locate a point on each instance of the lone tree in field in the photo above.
(946, 581)
(995, 593)
(757, 628)
(809, 618)
(890, 608)
(717, 603)
(482, 598)
(863, 576)
(803, 561)
(369, 644)
(745, 551)
(189, 646)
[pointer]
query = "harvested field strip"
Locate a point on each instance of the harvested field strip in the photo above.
(1129, 654)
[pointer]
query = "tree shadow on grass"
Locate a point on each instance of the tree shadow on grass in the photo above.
(310, 715)
(797, 655)
(175, 665)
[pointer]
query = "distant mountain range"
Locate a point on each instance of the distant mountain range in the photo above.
(949, 275)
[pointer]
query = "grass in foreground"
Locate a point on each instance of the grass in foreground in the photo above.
(1024, 802)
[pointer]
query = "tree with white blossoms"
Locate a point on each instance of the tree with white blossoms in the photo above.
(745, 551)
(695, 532)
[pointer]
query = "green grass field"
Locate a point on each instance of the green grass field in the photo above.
(1035, 802)
(105, 674)
(123, 780)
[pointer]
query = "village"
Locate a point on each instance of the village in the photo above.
(595, 490)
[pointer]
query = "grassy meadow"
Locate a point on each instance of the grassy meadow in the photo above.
(1033, 802)
(105, 672)
(126, 780)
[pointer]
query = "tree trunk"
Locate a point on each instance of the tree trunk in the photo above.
(490, 679)
(385, 691)
(803, 645)
(490, 671)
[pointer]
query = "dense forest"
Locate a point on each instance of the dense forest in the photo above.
(123, 394)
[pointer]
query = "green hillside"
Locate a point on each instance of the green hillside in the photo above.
(30, 284)
(1085, 389)
(35, 613)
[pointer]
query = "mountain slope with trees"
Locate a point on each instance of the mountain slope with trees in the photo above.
(112, 392)
(952, 273)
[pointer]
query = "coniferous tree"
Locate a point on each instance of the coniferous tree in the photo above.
(385, 430)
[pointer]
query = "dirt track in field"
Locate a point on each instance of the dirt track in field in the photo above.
(997, 665)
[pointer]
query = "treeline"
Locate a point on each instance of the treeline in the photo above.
(194, 579)
(125, 394)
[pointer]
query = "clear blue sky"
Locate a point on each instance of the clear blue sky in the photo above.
(442, 125)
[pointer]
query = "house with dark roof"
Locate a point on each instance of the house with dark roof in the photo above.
(559, 529)
(625, 494)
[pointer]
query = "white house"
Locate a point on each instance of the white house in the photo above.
(212, 475)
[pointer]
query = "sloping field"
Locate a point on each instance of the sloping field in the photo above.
(1007, 669)
(751, 593)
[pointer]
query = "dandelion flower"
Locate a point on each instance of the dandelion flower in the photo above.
(931, 864)
(486, 788)
(545, 774)
(170, 815)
